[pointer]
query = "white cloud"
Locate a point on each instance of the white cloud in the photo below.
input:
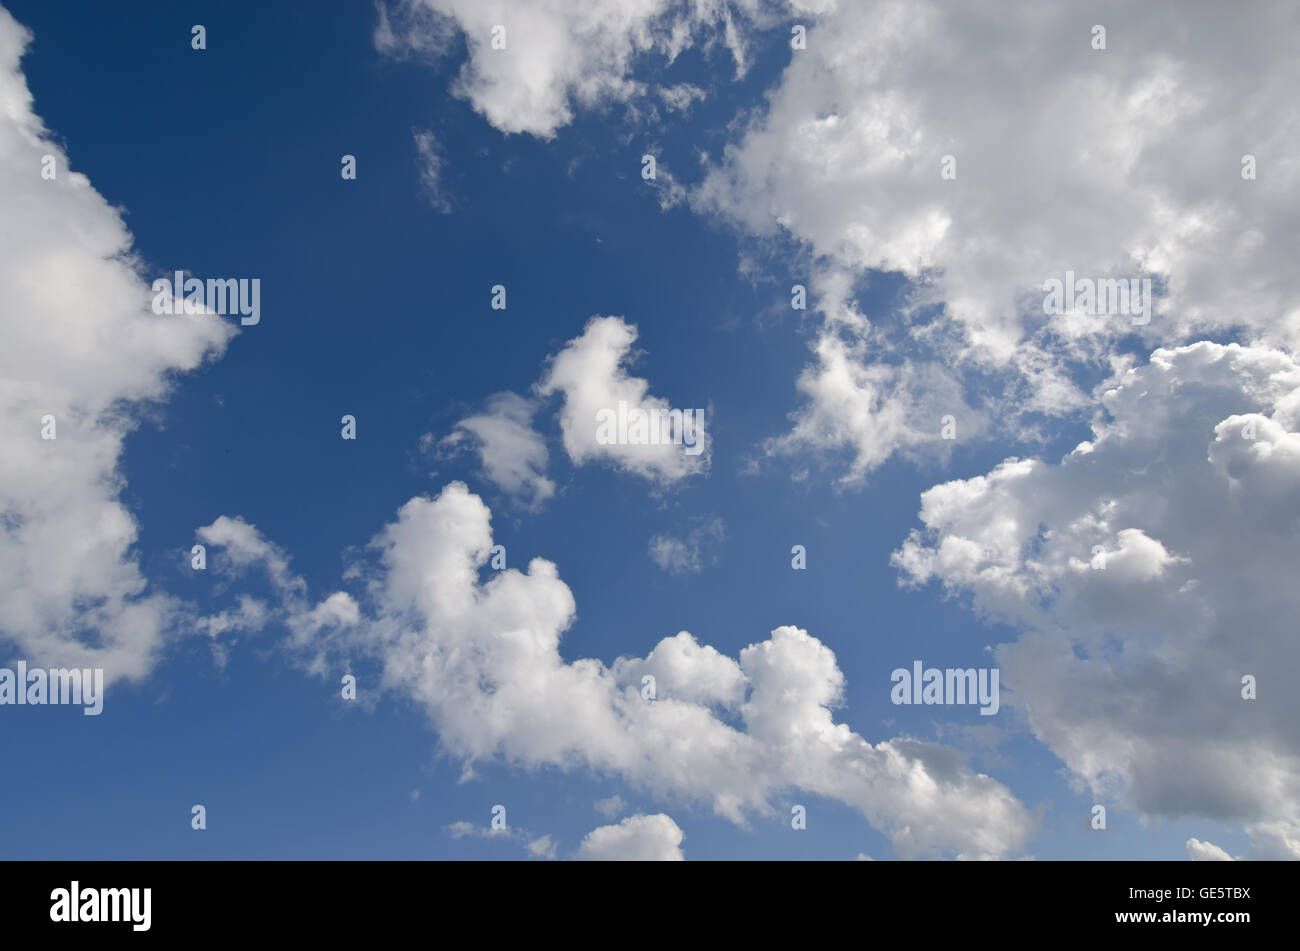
(1277, 841)
(242, 547)
(250, 617)
(512, 453)
(82, 345)
(462, 829)
(610, 806)
(542, 847)
(335, 612)
(482, 659)
(589, 372)
(1087, 168)
(671, 192)
(1199, 851)
(680, 556)
(1123, 162)
(1269, 842)
(405, 30)
(681, 96)
(432, 168)
(558, 55)
(874, 409)
(688, 671)
(636, 839)
(1151, 570)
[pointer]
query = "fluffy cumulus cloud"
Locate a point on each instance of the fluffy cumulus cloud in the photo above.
(605, 414)
(82, 346)
(1123, 162)
(1151, 571)
(512, 453)
(481, 658)
(609, 415)
(550, 56)
(636, 839)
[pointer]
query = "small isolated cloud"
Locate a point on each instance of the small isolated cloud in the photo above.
(513, 455)
(412, 30)
(611, 807)
(681, 556)
(249, 618)
(462, 829)
(636, 839)
(609, 415)
(432, 166)
(681, 97)
(243, 546)
(542, 846)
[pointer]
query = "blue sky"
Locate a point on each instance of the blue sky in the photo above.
(375, 303)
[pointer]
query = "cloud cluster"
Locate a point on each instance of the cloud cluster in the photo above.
(875, 151)
(1151, 571)
(530, 64)
(481, 658)
(82, 346)
(1122, 162)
